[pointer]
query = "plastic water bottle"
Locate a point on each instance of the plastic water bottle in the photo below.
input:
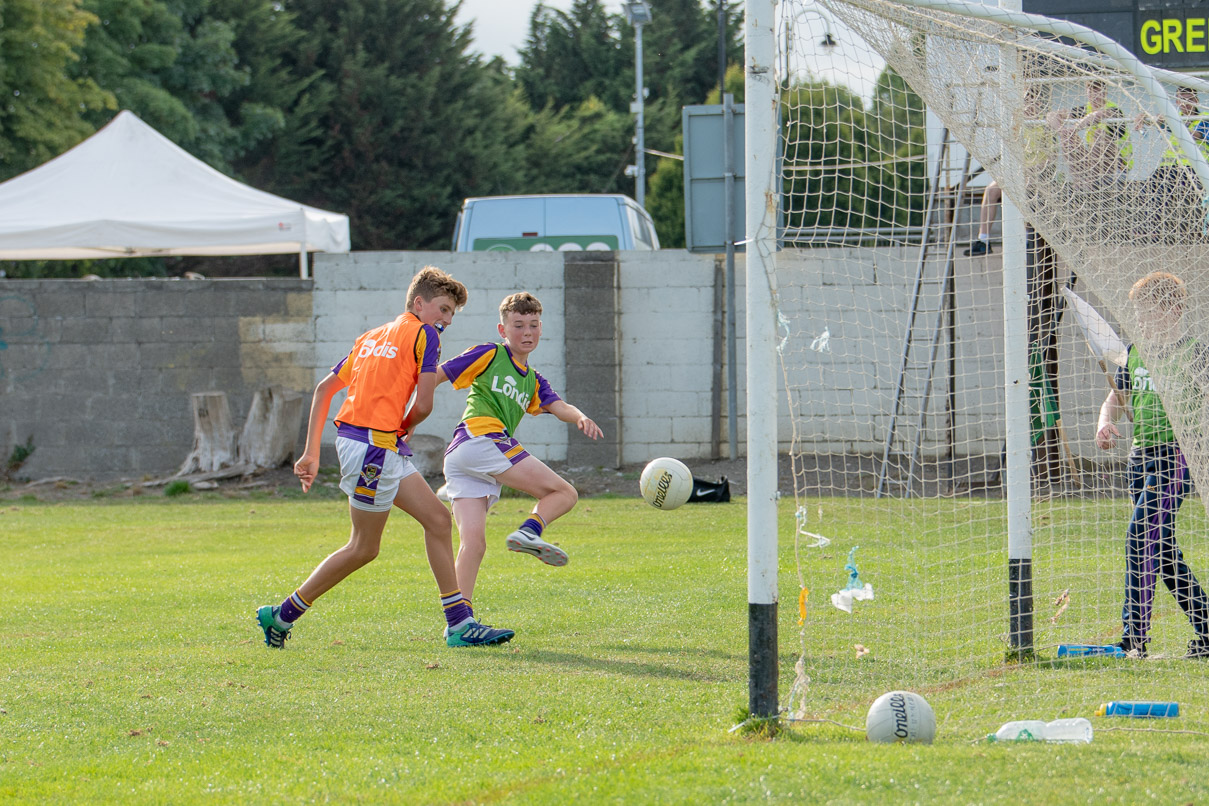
(1077, 729)
(1145, 709)
(1090, 650)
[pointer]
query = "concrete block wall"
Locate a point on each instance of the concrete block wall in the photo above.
(667, 355)
(99, 372)
(360, 290)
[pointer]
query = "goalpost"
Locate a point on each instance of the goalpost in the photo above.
(941, 405)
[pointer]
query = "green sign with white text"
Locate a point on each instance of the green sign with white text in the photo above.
(548, 243)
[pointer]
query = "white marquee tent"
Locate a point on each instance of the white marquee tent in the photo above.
(128, 191)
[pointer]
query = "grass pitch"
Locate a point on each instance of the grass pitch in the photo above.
(131, 671)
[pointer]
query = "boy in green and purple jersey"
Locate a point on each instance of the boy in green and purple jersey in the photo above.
(1158, 473)
(484, 454)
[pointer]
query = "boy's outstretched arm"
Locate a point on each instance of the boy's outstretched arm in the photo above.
(421, 407)
(569, 414)
(307, 466)
(1110, 411)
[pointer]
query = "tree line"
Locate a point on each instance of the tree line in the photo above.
(382, 109)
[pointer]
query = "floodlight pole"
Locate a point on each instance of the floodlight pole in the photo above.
(640, 135)
(761, 193)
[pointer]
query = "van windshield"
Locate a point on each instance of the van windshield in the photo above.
(583, 217)
(552, 223)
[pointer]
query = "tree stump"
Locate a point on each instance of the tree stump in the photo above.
(213, 435)
(270, 434)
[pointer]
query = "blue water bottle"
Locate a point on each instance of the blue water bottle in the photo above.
(1148, 710)
(1090, 650)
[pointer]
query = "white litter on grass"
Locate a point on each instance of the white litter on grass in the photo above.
(819, 541)
(855, 590)
(844, 599)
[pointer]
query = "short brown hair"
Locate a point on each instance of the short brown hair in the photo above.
(521, 302)
(1161, 289)
(430, 283)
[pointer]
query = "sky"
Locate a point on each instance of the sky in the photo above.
(500, 26)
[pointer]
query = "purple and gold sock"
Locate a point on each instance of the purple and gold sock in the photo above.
(534, 524)
(293, 608)
(457, 609)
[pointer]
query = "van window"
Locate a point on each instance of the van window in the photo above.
(642, 238)
(552, 223)
(502, 223)
(596, 224)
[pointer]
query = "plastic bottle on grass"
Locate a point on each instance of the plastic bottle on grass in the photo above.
(1144, 709)
(1077, 730)
(1090, 650)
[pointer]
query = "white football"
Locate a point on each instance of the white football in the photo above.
(900, 716)
(666, 483)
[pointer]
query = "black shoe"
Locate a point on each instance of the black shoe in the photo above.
(1137, 648)
(979, 247)
(1198, 647)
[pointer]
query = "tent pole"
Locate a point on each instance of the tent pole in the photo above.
(302, 267)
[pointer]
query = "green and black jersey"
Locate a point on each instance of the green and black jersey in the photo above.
(1184, 368)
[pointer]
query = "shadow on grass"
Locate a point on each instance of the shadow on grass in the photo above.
(613, 665)
(680, 650)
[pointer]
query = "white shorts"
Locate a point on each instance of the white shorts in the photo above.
(370, 475)
(471, 468)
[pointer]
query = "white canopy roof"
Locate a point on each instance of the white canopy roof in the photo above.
(128, 191)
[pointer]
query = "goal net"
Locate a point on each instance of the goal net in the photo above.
(900, 123)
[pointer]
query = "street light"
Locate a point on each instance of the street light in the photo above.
(827, 42)
(638, 14)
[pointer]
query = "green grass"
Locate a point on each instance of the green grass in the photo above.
(131, 670)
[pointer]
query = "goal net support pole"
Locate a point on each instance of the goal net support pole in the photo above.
(1016, 416)
(1016, 411)
(761, 200)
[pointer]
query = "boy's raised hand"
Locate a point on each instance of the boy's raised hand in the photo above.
(1106, 437)
(589, 427)
(306, 469)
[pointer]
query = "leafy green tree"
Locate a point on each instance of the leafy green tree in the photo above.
(44, 108)
(587, 53)
(400, 125)
(580, 150)
(827, 184)
(665, 199)
(897, 120)
(571, 56)
(205, 73)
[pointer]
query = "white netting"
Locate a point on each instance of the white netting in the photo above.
(892, 323)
